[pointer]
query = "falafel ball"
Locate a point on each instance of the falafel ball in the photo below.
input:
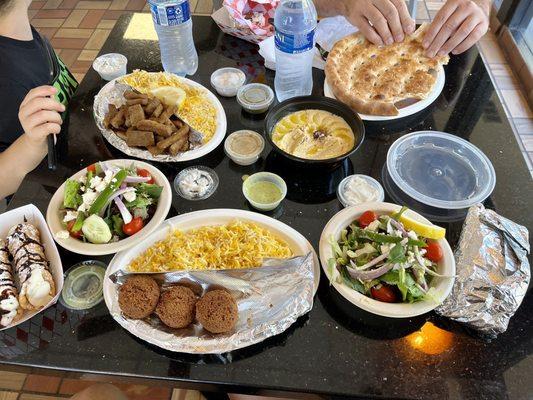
(138, 296)
(217, 311)
(176, 307)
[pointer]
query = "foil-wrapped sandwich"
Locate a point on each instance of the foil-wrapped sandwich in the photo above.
(37, 286)
(493, 272)
(9, 304)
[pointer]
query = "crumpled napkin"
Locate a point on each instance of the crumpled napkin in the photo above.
(252, 14)
(328, 32)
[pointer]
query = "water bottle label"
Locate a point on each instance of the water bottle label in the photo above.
(170, 15)
(294, 44)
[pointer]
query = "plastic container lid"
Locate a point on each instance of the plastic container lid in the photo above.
(255, 97)
(205, 172)
(83, 286)
(371, 181)
(440, 170)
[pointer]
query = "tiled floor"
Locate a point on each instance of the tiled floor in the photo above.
(54, 386)
(78, 29)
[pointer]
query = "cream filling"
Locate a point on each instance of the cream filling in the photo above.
(10, 304)
(37, 289)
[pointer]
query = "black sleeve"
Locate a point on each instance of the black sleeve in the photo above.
(11, 96)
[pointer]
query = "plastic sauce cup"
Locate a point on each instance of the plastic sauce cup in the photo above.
(341, 189)
(255, 98)
(111, 66)
(230, 87)
(268, 177)
(244, 147)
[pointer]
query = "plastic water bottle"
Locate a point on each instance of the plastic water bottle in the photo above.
(173, 24)
(295, 22)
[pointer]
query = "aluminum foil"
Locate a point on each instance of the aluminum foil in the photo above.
(113, 93)
(493, 272)
(270, 299)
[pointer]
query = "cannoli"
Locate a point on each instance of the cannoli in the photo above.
(9, 304)
(36, 283)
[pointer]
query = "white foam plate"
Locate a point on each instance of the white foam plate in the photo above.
(35, 217)
(341, 220)
(107, 94)
(406, 111)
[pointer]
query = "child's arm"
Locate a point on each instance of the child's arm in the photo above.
(39, 117)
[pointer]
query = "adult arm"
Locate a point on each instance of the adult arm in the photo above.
(458, 25)
(380, 21)
(39, 117)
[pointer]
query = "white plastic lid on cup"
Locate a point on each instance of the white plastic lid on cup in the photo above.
(440, 170)
(227, 81)
(255, 98)
(111, 66)
(373, 186)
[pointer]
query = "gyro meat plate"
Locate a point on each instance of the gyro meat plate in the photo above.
(145, 121)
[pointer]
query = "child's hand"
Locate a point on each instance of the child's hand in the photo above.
(39, 114)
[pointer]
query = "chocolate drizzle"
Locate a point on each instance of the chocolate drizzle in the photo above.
(21, 242)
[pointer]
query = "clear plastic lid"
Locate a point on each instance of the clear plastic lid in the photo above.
(83, 286)
(440, 170)
(255, 96)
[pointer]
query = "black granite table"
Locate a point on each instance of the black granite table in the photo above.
(336, 349)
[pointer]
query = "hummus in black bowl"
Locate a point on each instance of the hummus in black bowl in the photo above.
(314, 130)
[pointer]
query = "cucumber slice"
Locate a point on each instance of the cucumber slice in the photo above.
(96, 230)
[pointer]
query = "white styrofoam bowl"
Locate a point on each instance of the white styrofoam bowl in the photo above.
(394, 310)
(53, 216)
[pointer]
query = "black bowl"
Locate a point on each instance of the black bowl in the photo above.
(316, 103)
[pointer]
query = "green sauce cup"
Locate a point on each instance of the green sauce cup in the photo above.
(264, 190)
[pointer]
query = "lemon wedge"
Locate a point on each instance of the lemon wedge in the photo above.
(169, 95)
(428, 231)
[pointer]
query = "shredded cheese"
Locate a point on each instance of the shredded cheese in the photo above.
(197, 110)
(235, 245)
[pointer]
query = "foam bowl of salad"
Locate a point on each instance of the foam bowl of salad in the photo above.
(109, 206)
(387, 259)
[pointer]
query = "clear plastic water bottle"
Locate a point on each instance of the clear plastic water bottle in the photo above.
(295, 22)
(173, 24)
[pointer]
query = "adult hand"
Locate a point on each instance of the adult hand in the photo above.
(39, 114)
(456, 27)
(381, 21)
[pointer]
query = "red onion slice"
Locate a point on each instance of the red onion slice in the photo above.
(369, 275)
(137, 179)
(113, 196)
(126, 215)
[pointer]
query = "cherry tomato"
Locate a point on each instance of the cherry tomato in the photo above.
(92, 168)
(133, 227)
(433, 251)
(146, 174)
(74, 234)
(367, 218)
(384, 292)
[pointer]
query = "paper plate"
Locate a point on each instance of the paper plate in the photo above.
(406, 111)
(108, 94)
(32, 214)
